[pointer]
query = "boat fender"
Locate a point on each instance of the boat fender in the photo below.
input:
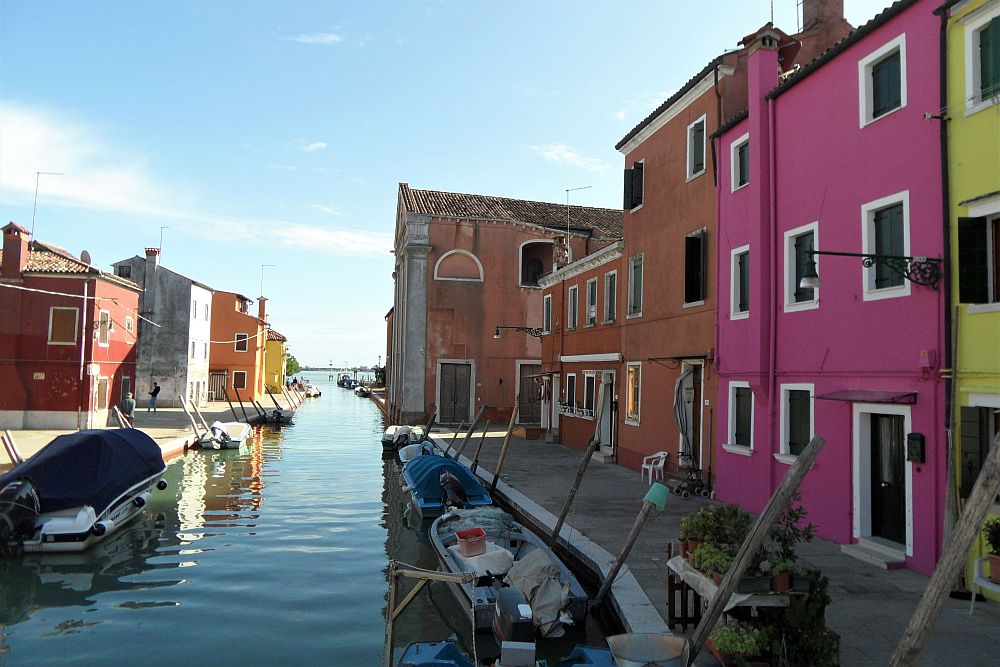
(161, 485)
(103, 527)
(141, 499)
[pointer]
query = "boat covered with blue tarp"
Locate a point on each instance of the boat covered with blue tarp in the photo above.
(435, 482)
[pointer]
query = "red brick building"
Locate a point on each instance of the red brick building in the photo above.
(67, 337)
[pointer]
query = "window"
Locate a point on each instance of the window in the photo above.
(882, 81)
(589, 387)
(192, 349)
(592, 302)
(104, 328)
(101, 390)
(633, 382)
(695, 267)
(982, 61)
(799, 242)
(206, 312)
(547, 313)
(129, 323)
(126, 385)
(740, 285)
(571, 390)
(696, 148)
(633, 187)
(204, 350)
(571, 306)
(979, 260)
(239, 379)
(123, 271)
(63, 325)
(740, 158)
(535, 261)
(980, 426)
(194, 310)
(242, 342)
(635, 286)
(610, 296)
(740, 415)
(886, 232)
(796, 418)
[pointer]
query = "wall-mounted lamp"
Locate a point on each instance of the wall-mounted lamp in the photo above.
(920, 270)
(531, 331)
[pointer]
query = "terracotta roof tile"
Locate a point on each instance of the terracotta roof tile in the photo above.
(604, 222)
(45, 258)
(274, 335)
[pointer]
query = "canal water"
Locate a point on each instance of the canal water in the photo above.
(274, 554)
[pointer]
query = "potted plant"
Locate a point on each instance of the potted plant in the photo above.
(682, 540)
(788, 532)
(737, 643)
(991, 529)
(781, 576)
(713, 561)
(694, 531)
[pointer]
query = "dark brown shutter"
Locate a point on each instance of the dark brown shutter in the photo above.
(972, 258)
(627, 199)
(636, 184)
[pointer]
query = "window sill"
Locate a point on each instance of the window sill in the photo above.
(787, 459)
(744, 315)
(981, 105)
(631, 422)
(611, 321)
(869, 120)
(695, 175)
(633, 210)
(893, 292)
(737, 449)
(801, 305)
(52, 342)
(984, 308)
(739, 187)
(693, 304)
(590, 325)
(632, 316)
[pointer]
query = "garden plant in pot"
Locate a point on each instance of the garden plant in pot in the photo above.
(713, 561)
(781, 576)
(785, 535)
(991, 529)
(682, 540)
(738, 643)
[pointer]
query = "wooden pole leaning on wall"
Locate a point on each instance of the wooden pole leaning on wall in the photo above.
(11, 448)
(231, 408)
(595, 441)
(239, 400)
(503, 448)
(448, 446)
(755, 538)
(966, 530)
(482, 439)
(472, 428)
(187, 411)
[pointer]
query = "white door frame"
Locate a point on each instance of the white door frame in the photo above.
(700, 394)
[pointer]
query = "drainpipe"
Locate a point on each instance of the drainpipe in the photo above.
(718, 124)
(772, 270)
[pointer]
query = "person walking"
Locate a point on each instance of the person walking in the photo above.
(128, 406)
(152, 397)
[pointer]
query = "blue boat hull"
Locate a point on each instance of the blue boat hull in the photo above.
(428, 498)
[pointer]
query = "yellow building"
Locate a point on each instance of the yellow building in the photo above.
(973, 113)
(274, 361)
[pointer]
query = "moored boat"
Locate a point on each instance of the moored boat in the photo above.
(396, 436)
(436, 483)
(511, 555)
(226, 435)
(434, 654)
(410, 452)
(362, 391)
(78, 489)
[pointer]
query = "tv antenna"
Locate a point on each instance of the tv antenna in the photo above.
(569, 190)
(38, 175)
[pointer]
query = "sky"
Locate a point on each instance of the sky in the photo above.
(269, 138)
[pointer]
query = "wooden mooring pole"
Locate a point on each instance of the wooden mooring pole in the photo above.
(468, 435)
(595, 441)
(240, 401)
(969, 524)
(503, 448)
(482, 439)
(447, 447)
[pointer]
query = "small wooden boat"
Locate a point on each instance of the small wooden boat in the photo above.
(226, 435)
(400, 436)
(436, 483)
(78, 489)
(410, 452)
(362, 391)
(434, 654)
(511, 554)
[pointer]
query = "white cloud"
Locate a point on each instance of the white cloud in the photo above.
(567, 155)
(318, 38)
(315, 147)
(284, 167)
(619, 115)
(335, 242)
(323, 209)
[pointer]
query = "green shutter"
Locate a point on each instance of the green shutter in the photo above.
(636, 184)
(886, 85)
(698, 148)
(803, 245)
(975, 444)
(799, 409)
(973, 255)
(989, 59)
(743, 271)
(627, 199)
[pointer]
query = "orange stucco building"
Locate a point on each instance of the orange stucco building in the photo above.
(236, 357)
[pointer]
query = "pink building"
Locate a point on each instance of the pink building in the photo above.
(837, 158)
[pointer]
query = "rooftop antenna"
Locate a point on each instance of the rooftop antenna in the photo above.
(38, 175)
(569, 190)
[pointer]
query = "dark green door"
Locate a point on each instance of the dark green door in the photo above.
(888, 478)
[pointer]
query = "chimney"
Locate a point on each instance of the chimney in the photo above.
(560, 252)
(15, 250)
(261, 308)
(152, 257)
(820, 11)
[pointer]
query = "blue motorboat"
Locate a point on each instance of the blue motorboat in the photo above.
(434, 654)
(437, 482)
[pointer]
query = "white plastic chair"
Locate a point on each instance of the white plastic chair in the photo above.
(653, 464)
(980, 581)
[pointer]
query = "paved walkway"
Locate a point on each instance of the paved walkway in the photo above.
(871, 607)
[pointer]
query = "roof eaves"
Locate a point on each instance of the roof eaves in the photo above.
(730, 124)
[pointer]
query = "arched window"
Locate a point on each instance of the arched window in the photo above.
(535, 261)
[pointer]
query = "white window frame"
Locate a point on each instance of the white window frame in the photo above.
(572, 307)
(204, 350)
(244, 373)
(571, 400)
(588, 320)
(734, 283)
(206, 312)
(547, 314)
(703, 233)
(105, 330)
(734, 163)
(691, 175)
(643, 202)
(791, 305)
(237, 340)
(194, 349)
(584, 411)
(610, 297)
(974, 103)
(633, 421)
(730, 445)
(129, 323)
(629, 314)
(194, 309)
(76, 325)
(868, 245)
(865, 65)
(784, 455)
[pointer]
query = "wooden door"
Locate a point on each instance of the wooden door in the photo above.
(530, 395)
(888, 478)
(455, 383)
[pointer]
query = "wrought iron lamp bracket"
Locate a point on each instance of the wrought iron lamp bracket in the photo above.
(531, 331)
(919, 270)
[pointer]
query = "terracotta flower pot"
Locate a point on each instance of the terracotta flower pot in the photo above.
(781, 583)
(994, 568)
(682, 548)
(693, 545)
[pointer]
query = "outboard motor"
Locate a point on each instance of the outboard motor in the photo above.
(19, 509)
(453, 489)
(513, 621)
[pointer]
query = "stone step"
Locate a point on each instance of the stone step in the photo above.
(875, 553)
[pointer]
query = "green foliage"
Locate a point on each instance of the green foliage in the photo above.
(291, 365)
(991, 529)
(740, 639)
(782, 566)
(804, 639)
(787, 532)
(685, 527)
(710, 558)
